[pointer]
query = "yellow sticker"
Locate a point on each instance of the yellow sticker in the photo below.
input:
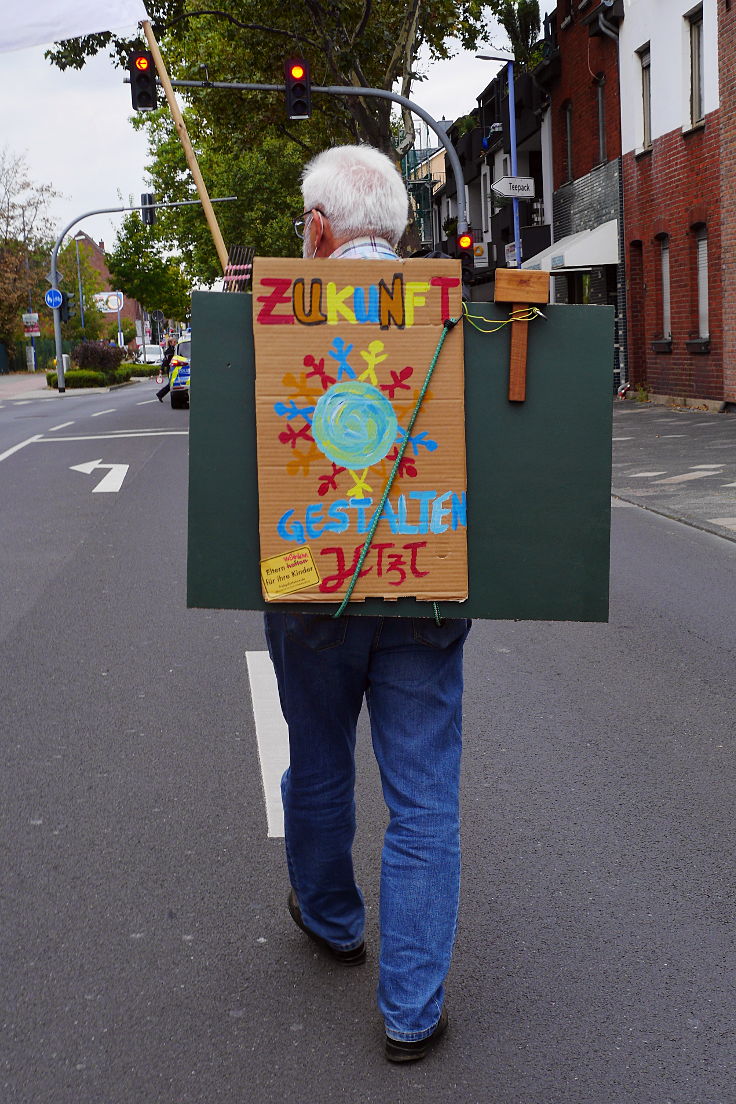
(285, 574)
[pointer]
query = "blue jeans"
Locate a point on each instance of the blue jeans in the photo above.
(410, 672)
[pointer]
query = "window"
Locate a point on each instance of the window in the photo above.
(701, 254)
(567, 114)
(485, 198)
(599, 86)
(696, 67)
(664, 260)
(646, 96)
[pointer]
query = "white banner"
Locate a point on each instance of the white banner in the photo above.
(46, 21)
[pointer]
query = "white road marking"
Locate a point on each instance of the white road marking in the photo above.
(17, 448)
(119, 436)
(22, 402)
(622, 438)
(97, 414)
(669, 436)
(704, 467)
(146, 402)
(62, 426)
(646, 475)
(112, 482)
(272, 736)
(687, 478)
(722, 484)
(726, 523)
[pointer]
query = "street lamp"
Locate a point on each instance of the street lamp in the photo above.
(512, 137)
(77, 239)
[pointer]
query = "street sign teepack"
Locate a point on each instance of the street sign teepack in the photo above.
(514, 187)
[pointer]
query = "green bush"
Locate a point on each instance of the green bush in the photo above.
(99, 356)
(77, 377)
(144, 369)
(122, 374)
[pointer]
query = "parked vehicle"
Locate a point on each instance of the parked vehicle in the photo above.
(179, 374)
(150, 354)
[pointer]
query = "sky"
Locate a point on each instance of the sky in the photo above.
(74, 129)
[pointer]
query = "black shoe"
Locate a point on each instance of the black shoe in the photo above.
(159, 398)
(398, 1051)
(353, 957)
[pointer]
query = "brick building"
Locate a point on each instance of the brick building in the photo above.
(672, 132)
(727, 128)
(582, 136)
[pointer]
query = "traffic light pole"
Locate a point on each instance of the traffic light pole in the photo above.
(54, 274)
(376, 93)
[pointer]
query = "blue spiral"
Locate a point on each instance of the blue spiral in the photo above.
(354, 424)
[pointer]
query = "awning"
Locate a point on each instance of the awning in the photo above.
(578, 252)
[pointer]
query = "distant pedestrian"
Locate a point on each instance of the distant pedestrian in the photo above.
(166, 367)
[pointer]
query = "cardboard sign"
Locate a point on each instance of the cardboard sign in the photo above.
(342, 351)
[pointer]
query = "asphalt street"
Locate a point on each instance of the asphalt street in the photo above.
(146, 954)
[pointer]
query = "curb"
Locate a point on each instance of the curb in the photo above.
(701, 526)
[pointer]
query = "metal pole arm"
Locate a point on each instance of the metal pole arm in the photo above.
(376, 93)
(55, 271)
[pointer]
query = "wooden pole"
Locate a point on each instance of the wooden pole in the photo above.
(209, 211)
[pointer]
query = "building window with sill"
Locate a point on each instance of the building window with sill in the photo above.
(697, 112)
(664, 263)
(646, 96)
(701, 260)
(600, 82)
(567, 120)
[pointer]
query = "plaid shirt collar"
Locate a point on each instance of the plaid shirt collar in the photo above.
(366, 248)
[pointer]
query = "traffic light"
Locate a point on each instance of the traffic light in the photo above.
(142, 80)
(66, 307)
(465, 252)
(298, 88)
(148, 210)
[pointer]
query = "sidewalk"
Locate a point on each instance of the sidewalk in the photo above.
(677, 462)
(21, 386)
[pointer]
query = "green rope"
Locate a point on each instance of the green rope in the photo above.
(447, 326)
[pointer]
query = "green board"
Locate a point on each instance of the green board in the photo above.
(539, 472)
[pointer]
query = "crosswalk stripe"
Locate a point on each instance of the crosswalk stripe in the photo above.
(271, 734)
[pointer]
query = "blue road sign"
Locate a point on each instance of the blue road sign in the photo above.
(53, 298)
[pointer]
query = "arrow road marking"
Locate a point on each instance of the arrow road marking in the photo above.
(111, 482)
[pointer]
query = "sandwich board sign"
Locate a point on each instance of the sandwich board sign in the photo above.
(342, 351)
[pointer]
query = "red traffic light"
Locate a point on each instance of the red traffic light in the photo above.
(142, 80)
(465, 241)
(297, 88)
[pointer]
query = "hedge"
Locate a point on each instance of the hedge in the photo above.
(77, 377)
(144, 369)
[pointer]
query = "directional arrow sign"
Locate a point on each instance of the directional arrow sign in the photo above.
(514, 187)
(113, 481)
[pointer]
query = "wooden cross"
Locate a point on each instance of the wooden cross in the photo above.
(523, 288)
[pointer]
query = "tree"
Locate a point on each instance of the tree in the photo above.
(24, 230)
(521, 21)
(244, 143)
(69, 277)
(141, 271)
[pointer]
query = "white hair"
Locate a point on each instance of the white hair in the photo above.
(360, 191)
